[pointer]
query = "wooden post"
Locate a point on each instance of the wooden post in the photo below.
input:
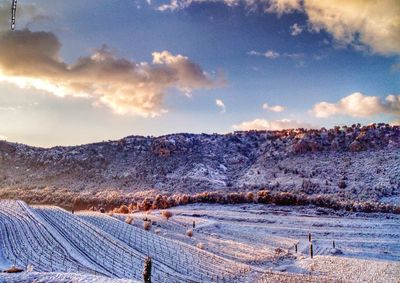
(147, 270)
(309, 237)
(334, 244)
(311, 251)
(194, 224)
(295, 248)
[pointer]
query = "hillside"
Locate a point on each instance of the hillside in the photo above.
(359, 163)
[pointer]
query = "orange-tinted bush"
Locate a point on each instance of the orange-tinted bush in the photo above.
(123, 209)
(189, 233)
(167, 214)
(129, 220)
(147, 225)
(264, 196)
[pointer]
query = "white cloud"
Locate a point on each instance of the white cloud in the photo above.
(364, 24)
(359, 105)
(32, 60)
(277, 6)
(369, 23)
(276, 108)
(174, 5)
(295, 29)
(270, 54)
(261, 124)
(269, 6)
(221, 105)
(3, 138)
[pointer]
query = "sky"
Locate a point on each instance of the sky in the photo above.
(80, 71)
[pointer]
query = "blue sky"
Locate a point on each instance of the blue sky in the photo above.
(245, 54)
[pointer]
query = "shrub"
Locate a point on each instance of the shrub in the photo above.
(147, 225)
(250, 197)
(189, 233)
(160, 202)
(183, 199)
(235, 198)
(132, 207)
(171, 202)
(208, 197)
(123, 209)
(342, 184)
(200, 246)
(167, 214)
(129, 220)
(285, 198)
(145, 205)
(264, 196)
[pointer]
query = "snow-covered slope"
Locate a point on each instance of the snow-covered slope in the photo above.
(26, 241)
(194, 262)
(103, 250)
(230, 243)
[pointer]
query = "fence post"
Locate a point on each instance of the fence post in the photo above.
(147, 270)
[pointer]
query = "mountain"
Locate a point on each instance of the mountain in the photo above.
(359, 163)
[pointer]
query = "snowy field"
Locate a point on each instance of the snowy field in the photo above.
(229, 243)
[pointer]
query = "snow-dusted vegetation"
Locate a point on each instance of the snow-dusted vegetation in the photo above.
(358, 165)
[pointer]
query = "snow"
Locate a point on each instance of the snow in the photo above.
(44, 277)
(196, 263)
(353, 270)
(101, 249)
(230, 243)
(4, 263)
(264, 237)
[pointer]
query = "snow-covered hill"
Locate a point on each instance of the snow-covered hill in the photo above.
(346, 163)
